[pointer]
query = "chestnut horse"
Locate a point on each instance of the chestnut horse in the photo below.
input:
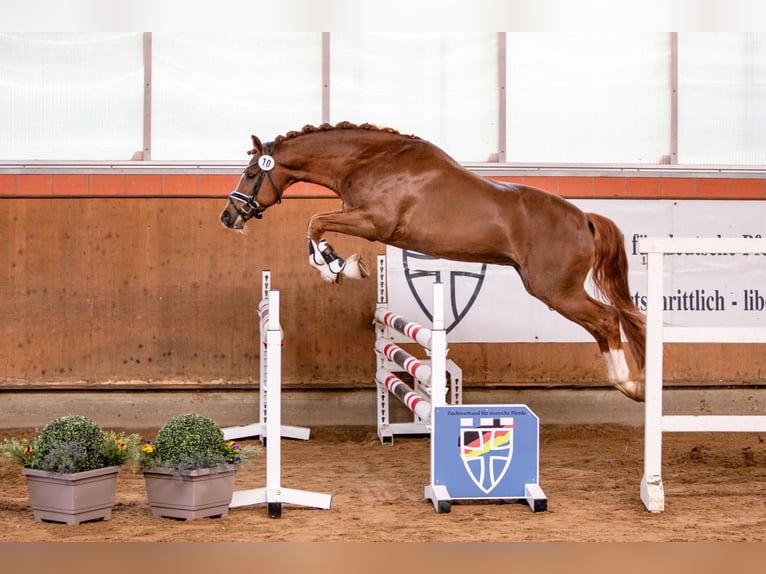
(404, 191)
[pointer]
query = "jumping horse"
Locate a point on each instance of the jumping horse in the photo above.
(404, 191)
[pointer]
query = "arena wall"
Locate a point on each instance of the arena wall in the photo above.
(115, 280)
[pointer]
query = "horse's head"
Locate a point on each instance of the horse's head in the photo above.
(251, 198)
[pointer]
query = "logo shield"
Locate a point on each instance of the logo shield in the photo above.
(462, 286)
(486, 450)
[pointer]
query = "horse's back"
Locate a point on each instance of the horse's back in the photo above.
(471, 218)
(423, 200)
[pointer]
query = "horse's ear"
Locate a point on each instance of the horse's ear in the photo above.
(257, 145)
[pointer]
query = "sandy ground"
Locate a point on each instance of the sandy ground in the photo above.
(715, 486)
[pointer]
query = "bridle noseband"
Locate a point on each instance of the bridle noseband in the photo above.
(248, 204)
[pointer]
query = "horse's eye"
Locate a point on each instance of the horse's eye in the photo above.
(249, 175)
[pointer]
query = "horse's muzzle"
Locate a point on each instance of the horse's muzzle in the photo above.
(232, 221)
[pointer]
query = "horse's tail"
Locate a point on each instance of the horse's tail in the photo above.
(610, 275)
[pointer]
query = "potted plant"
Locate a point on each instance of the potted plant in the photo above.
(189, 468)
(71, 469)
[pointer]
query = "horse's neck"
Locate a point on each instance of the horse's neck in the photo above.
(324, 162)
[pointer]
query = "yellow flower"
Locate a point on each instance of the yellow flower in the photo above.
(231, 445)
(147, 448)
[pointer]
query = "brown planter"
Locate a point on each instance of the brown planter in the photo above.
(71, 498)
(203, 493)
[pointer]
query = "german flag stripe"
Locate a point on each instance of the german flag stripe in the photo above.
(489, 441)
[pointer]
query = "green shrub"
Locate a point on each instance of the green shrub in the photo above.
(72, 443)
(190, 442)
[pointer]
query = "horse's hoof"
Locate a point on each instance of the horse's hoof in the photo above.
(355, 268)
(632, 390)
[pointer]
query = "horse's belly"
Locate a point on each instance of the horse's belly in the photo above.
(457, 242)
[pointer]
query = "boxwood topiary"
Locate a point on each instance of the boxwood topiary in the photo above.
(72, 443)
(189, 442)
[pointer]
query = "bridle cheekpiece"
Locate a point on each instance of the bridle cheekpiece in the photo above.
(248, 204)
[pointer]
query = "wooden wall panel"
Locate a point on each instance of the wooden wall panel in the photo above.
(155, 290)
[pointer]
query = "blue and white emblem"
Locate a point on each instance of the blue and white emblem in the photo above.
(486, 449)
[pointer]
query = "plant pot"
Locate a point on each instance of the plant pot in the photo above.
(202, 493)
(72, 498)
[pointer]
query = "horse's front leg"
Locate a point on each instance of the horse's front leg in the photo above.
(323, 257)
(332, 266)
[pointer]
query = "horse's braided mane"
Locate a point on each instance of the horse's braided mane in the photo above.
(308, 129)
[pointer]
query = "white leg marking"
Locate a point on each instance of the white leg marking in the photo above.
(616, 366)
(609, 367)
(619, 374)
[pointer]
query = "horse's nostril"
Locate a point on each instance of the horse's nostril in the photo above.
(225, 218)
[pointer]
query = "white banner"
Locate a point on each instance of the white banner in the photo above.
(487, 303)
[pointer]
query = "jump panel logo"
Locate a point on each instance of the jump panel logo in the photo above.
(467, 282)
(486, 450)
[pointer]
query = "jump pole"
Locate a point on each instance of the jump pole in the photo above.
(274, 494)
(392, 357)
(657, 334)
(258, 430)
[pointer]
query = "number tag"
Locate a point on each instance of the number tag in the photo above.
(266, 162)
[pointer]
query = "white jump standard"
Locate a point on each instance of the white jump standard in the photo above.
(258, 429)
(430, 383)
(421, 407)
(274, 494)
(657, 334)
(471, 446)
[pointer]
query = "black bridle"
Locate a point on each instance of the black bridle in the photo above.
(248, 204)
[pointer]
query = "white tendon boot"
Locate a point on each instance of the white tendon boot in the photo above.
(333, 267)
(323, 258)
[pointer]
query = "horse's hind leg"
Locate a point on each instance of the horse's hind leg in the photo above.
(601, 321)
